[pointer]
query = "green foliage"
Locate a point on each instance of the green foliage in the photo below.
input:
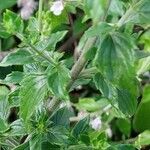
(81, 127)
(12, 23)
(142, 113)
(92, 58)
(32, 92)
(19, 57)
(7, 4)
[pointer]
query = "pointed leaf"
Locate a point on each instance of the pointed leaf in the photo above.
(57, 81)
(81, 127)
(61, 117)
(32, 92)
(19, 57)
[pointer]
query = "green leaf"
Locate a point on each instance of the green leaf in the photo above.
(141, 120)
(24, 146)
(3, 33)
(55, 22)
(19, 57)
(101, 28)
(58, 78)
(7, 3)
(49, 146)
(115, 55)
(127, 103)
(4, 106)
(94, 7)
(3, 125)
(15, 77)
(107, 89)
(32, 30)
(143, 139)
(88, 104)
(49, 43)
(13, 22)
(17, 128)
(32, 92)
(81, 147)
(81, 127)
(61, 117)
(13, 98)
(58, 135)
(140, 13)
(36, 142)
(122, 147)
(116, 8)
(124, 126)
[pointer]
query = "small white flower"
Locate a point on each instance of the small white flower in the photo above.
(109, 132)
(96, 123)
(57, 7)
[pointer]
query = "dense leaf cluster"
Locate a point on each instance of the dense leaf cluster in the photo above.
(108, 58)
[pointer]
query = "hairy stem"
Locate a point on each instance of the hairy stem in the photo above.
(125, 17)
(78, 66)
(75, 71)
(40, 14)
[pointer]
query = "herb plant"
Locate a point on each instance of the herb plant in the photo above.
(74, 78)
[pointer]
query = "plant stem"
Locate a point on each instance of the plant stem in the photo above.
(41, 54)
(75, 71)
(40, 15)
(125, 17)
(106, 11)
(77, 68)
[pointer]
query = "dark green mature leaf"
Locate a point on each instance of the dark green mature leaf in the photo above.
(61, 117)
(107, 89)
(124, 126)
(49, 146)
(7, 3)
(24, 146)
(141, 120)
(57, 81)
(15, 77)
(58, 135)
(32, 92)
(12, 22)
(140, 13)
(115, 55)
(19, 57)
(122, 147)
(99, 29)
(36, 142)
(81, 127)
(126, 103)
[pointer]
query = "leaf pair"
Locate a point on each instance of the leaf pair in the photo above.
(116, 78)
